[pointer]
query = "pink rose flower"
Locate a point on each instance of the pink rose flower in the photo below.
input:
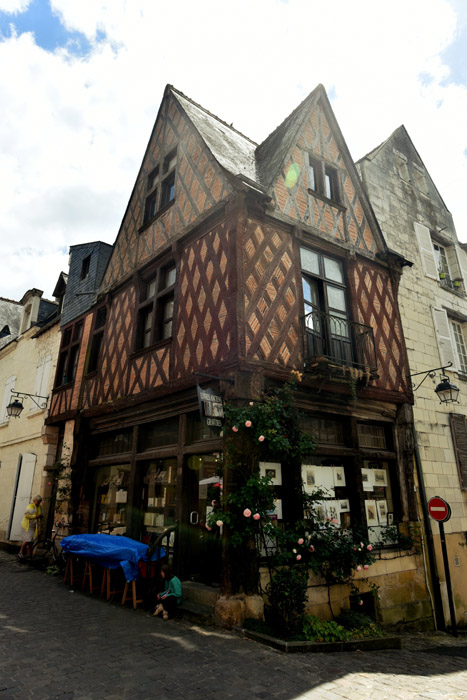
(207, 527)
(294, 551)
(301, 540)
(369, 547)
(298, 557)
(261, 438)
(248, 424)
(360, 602)
(359, 568)
(251, 403)
(256, 516)
(334, 521)
(312, 549)
(361, 544)
(366, 567)
(219, 523)
(247, 512)
(235, 429)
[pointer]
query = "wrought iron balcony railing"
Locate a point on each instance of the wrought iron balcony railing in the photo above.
(339, 340)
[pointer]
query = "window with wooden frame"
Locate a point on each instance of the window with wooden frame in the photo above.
(324, 179)
(69, 354)
(150, 209)
(98, 335)
(459, 437)
(156, 307)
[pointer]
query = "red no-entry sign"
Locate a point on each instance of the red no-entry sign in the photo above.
(439, 509)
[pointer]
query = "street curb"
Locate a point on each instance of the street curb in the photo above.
(372, 644)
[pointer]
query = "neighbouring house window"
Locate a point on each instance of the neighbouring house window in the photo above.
(459, 436)
(460, 345)
(443, 262)
(324, 179)
(86, 264)
(98, 335)
(69, 354)
(41, 384)
(324, 295)
(156, 307)
(450, 334)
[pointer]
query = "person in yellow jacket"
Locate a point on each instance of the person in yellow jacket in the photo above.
(31, 525)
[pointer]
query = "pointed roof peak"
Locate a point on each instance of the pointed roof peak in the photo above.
(171, 88)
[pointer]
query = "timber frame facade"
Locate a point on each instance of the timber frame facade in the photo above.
(245, 262)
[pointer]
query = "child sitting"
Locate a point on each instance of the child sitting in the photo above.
(171, 596)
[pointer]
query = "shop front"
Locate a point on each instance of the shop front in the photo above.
(144, 478)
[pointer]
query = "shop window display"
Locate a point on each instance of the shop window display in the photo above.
(159, 490)
(111, 498)
(379, 506)
(329, 478)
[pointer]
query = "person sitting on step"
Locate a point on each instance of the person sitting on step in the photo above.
(171, 596)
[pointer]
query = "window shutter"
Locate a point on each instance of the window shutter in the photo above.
(443, 335)
(426, 250)
(459, 436)
(453, 262)
(42, 379)
(462, 260)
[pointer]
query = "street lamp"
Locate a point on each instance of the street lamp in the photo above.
(445, 390)
(15, 407)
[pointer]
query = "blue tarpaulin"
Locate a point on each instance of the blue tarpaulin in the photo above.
(110, 551)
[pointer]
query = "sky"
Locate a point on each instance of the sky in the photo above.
(81, 82)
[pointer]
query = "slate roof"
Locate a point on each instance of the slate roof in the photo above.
(238, 154)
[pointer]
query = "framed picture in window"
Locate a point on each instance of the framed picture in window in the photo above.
(344, 505)
(339, 476)
(309, 478)
(380, 477)
(273, 470)
(371, 513)
(367, 479)
(382, 512)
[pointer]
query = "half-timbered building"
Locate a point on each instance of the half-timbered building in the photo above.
(244, 262)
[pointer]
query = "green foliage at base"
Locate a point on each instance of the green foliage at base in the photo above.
(359, 625)
(287, 593)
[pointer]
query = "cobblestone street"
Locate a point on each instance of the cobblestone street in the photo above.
(60, 644)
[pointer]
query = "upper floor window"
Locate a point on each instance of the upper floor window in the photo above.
(324, 179)
(97, 338)
(446, 263)
(69, 354)
(160, 186)
(324, 296)
(156, 307)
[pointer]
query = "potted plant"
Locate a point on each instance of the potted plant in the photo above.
(442, 275)
(457, 284)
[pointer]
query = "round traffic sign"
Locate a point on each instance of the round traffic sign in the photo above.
(439, 509)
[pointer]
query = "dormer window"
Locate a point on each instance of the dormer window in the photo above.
(86, 264)
(323, 179)
(160, 186)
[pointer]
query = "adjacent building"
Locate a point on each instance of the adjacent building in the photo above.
(433, 304)
(27, 365)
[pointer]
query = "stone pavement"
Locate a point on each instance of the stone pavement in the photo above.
(60, 644)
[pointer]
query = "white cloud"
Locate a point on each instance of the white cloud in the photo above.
(13, 6)
(74, 130)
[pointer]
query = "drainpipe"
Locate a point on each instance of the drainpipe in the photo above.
(438, 602)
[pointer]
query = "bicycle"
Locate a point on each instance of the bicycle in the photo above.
(46, 552)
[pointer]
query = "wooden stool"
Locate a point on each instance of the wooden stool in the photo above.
(106, 584)
(133, 594)
(69, 570)
(88, 572)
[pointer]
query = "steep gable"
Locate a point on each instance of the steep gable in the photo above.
(200, 185)
(310, 136)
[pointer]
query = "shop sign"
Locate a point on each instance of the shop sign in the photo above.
(211, 408)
